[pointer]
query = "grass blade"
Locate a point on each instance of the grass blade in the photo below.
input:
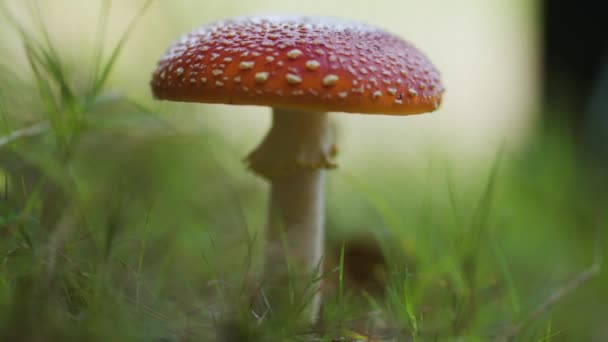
(99, 40)
(102, 77)
(26, 132)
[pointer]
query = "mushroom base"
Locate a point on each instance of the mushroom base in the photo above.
(293, 157)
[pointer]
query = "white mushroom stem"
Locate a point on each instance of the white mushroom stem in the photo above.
(293, 157)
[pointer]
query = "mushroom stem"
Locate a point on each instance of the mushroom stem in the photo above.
(295, 235)
(293, 157)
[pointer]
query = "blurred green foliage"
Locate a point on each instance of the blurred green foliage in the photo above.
(115, 225)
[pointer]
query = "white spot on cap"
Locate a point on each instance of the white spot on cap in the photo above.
(376, 94)
(404, 73)
(312, 65)
(298, 92)
(343, 94)
(269, 59)
(217, 72)
(219, 83)
(398, 101)
(246, 65)
(237, 79)
(204, 79)
(293, 54)
(293, 79)
(228, 59)
(330, 80)
(179, 71)
(392, 91)
(412, 92)
(261, 77)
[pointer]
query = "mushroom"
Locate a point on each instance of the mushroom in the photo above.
(302, 67)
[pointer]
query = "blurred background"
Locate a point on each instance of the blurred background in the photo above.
(121, 211)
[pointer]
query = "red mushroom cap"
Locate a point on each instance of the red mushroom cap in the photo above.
(300, 63)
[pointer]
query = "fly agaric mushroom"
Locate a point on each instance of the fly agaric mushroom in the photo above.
(302, 67)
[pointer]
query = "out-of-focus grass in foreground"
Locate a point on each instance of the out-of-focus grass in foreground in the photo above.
(115, 225)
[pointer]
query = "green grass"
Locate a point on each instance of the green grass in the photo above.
(114, 226)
